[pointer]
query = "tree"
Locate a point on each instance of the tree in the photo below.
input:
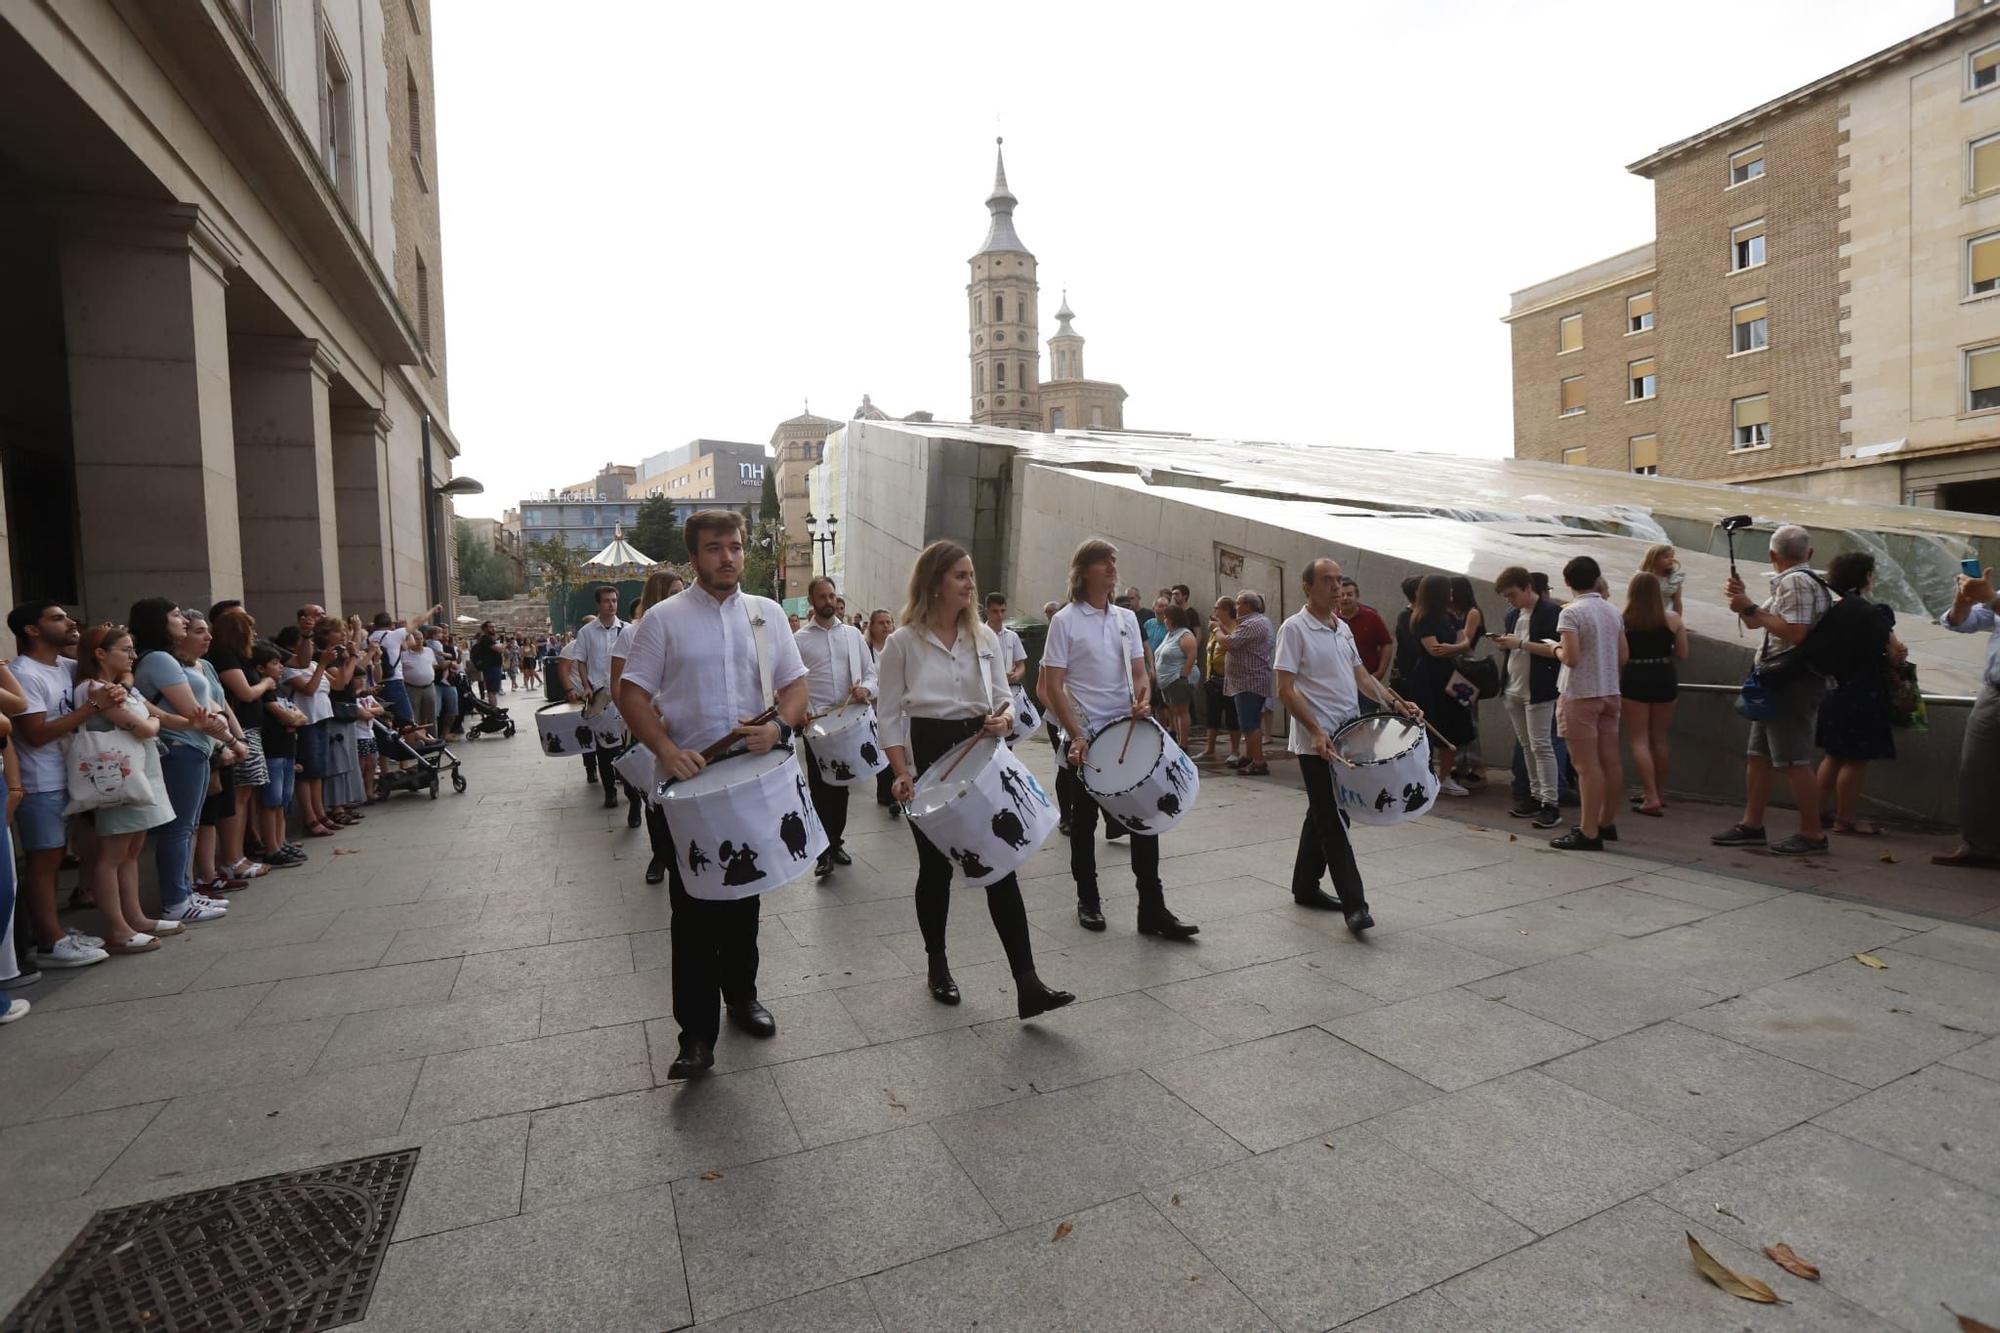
(655, 532)
(560, 564)
(760, 561)
(482, 571)
(767, 501)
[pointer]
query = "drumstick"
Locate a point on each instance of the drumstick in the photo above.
(721, 747)
(946, 775)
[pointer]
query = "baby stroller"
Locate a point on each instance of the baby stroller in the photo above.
(491, 718)
(414, 764)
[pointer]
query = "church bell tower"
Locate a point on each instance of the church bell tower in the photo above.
(1001, 302)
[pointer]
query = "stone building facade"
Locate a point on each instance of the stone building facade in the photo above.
(799, 444)
(1821, 292)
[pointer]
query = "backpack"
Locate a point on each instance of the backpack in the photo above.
(1841, 643)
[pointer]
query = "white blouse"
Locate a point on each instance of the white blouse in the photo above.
(920, 677)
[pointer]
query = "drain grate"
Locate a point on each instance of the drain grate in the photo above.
(298, 1252)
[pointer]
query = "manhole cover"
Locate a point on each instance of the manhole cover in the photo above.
(298, 1251)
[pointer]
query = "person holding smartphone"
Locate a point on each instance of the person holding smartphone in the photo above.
(1973, 611)
(1529, 640)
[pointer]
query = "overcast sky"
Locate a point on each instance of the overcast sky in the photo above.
(1294, 222)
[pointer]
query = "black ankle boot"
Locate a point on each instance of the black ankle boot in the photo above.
(1037, 998)
(943, 989)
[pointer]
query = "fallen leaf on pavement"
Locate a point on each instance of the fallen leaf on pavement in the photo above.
(1512, 838)
(1177, 1201)
(1062, 1230)
(1731, 1281)
(1888, 858)
(345, 851)
(894, 1105)
(1785, 1257)
(1966, 1323)
(711, 1175)
(1870, 959)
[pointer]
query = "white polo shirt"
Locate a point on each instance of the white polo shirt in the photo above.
(1012, 650)
(592, 647)
(1097, 649)
(706, 684)
(1322, 659)
(837, 659)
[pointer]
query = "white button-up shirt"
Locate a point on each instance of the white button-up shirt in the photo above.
(1097, 649)
(1321, 658)
(832, 655)
(920, 677)
(1012, 650)
(592, 647)
(695, 656)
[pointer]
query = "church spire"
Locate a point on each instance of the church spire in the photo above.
(1000, 236)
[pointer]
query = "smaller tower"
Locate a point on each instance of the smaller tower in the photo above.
(1066, 348)
(1066, 399)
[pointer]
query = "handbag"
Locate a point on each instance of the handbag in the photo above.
(1906, 698)
(105, 768)
(1481, 674)
(346, 710)
(1756, 701)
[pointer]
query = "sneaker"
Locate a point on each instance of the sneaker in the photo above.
(196, 908)
(16, 1009)
(69, 952)
(28, 977)
(1798, 845)
(1450, 788)
(1525, 808)
(1548, 817)
(1575, 841)
(1739, 835)
(86, 940)
(212, 900)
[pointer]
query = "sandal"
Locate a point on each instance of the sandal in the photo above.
(136, 944)
(1651, 812)
(320, 831)
(1859, 828)
(1255, 770)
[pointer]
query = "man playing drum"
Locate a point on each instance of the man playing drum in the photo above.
(678, 701)
(1320, 680)
(585, 666)
(880, 626)
(1094, 673)
(839, 670)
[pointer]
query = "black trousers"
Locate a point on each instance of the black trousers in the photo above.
(1065, 796)
(656, 832)
(1083, 847)
(930, 737)
(885, 783)
(1323, 844)
(714, 952)
(829, 800)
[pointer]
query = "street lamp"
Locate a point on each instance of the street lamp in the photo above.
(825, 541)
(455, 487)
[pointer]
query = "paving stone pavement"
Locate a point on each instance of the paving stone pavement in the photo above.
(1501, 1110)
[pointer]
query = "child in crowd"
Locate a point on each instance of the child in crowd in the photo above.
(282, 723)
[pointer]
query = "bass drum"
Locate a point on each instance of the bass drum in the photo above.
(563, 730)
(1141, 778)
(843, 746)
(989, 815)
(1027, 717)
(1382, 769)
(742, 826)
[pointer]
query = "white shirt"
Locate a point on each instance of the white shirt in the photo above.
(1097, 649)
(1321, 658)
(920, 677)
(1599, 629)
(832, 655)
(419, 666)
(1012, 650)
(317, 706)
(393, 642)
(49, 691)
(707, 684)
(592, 646)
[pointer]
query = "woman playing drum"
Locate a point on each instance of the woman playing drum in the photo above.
(941, 682)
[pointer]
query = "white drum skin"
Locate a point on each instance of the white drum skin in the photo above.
(563, 731)
(1027, 717)
(845, 746)
(989, 816)
(607, 729)
(1152, 788)
(1387, 778)
(743, 826)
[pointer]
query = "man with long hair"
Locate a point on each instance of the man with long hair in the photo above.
(677, 703)
(1094, 669)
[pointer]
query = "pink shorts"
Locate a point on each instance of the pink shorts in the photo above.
(1578, 718)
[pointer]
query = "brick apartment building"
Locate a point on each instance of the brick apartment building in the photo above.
(1817, 310)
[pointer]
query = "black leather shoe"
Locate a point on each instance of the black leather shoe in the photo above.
(1166, 925)
(1113, 831)
(656, 870)
(943, 989)
(824, 866)
(632, 816)
(1358, 920)
(754, 1019)
(840, 856)
(1090, 916)
(1062, 827)
(895, 810)
(1317, 898)
(696, 1057)
(610, 796)
(1608, 832)
(1039, 999)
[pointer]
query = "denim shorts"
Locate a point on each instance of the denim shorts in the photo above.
(276, 794)
(1249, 706)
(40, 821)
(312, 752)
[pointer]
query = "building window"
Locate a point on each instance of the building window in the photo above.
(1096, 418)
(1572, 396)
(999, 374)
(416, 111)
(1569, 334)
(1749, 331)
(1753, 421)
(423, 305)
(1985, 163)
(1639, 313)
(1056, 420)
(1645, 455)
(336, 118)
(1985, 70)
(999, 307)
(1642, 379)
(261, 18)
(1746, 246)
(1982, 263)
(1746, 165)
(1982, 379)
(982, 379)
(1024, 380)
(979, 310)
(1577, 457)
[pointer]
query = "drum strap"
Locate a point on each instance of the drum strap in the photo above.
(763, 655)
(855, 645)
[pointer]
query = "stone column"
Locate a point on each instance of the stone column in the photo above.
(147, 338)
(361, 506)
(284, 475)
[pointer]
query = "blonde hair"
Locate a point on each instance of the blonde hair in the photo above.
(656, 590)
(1646, 601)
(927, 581)
(1095, 551)
(1657, 558)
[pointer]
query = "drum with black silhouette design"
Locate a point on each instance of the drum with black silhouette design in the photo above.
(981, 806)
(600, 714)
(1139, 776)
(1027, 717)
(1382, 769)
(844, 746)
(563, 730)
(742, 826)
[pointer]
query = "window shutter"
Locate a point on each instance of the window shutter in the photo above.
(1747, 313)
(1986, 165)
(1572, 393)
(1982, 369)
(1571, 333)
(1757, 411)
(1645, 451)
(1986, 259)
(1639, 305)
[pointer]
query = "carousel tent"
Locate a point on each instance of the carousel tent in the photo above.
(621, 557)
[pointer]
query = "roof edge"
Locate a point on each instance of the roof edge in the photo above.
(1581, 282)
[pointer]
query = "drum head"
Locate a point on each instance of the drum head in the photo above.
(1377, 738)
(844, 718)
(1107, 772)
(726, 773)
(934, 791)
